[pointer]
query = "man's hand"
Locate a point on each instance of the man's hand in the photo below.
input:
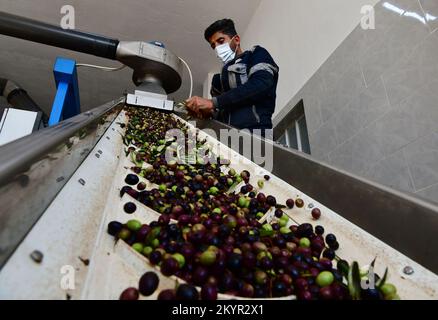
(200, 107)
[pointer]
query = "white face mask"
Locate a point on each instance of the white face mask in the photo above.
(225, 53)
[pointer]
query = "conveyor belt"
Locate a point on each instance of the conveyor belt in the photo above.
(68, 185)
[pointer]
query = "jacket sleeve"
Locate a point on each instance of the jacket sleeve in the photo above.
(216, 86)
(261, 77)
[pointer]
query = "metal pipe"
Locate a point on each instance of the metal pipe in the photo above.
(36, 31)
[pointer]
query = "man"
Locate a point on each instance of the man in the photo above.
(244, 93)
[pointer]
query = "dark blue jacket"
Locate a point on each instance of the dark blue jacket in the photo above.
(244, 93)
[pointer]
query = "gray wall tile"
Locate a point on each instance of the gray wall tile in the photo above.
(366, 108)
(360, 153)
(411, 73)
(430, 193)
(422, 158)
(394, 38)
(350, 85)
(393, 172)
(323, 141)
(415, 117)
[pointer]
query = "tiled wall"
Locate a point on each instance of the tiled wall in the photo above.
(372, 107)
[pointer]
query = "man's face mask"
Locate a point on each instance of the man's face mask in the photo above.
(225, 53)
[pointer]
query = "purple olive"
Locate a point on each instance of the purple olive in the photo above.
(148, 283)
(129, 294)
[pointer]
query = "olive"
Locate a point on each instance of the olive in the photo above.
(134, 225)
(155, 257)
(278, 213)
(138, 247)
(209, 292)
(278, 289)
(180, 258)
(132, 179)
(208, 258)
(167, 295)
(316, 213)
(148, 283)
(124, 234)
(271, 201)
(299, 203)
(130, 208)
(334, 246)
(329, 254)
(371, 294)
(114, 228)
(325, 279)
(186, 292)
(234, 262)
(319, 230)
(141, 186)
(304, 230)
(129, 294)
(290, 203)
(388, 290)
(330, 239)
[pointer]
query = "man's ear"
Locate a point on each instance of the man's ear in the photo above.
(237, 39)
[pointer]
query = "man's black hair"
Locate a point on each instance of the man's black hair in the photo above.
(225, 26)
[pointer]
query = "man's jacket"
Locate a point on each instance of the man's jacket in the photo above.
(244, 93)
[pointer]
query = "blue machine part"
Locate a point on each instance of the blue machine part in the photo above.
(66, 103)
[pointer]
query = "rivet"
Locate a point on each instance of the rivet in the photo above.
(37, 256)
(408, 270)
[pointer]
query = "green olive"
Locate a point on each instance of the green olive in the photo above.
(147, 251)
(138, 247)
(180, 258)
(133, 225)
(304, 243)
(324, 279)
(388, 290)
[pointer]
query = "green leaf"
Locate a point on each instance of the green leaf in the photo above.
(374, 262)
(134, 160)
(354, 281)
(343, 267)
(382, 281)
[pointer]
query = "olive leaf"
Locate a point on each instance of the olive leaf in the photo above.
(354, 281)
(382, 281)
(343, 267)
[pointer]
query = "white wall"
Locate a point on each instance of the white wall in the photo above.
(301, 35)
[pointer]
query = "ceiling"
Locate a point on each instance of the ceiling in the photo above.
(179, 24)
